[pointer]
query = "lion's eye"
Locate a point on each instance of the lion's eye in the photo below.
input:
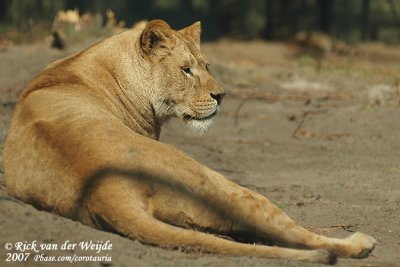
(208, 67)
(187, 70)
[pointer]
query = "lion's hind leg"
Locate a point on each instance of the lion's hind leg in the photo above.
(152, 231)
(121, 207)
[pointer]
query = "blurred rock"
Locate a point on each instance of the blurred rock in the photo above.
(320, 43)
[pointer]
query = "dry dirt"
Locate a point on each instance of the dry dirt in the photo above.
(319, 137)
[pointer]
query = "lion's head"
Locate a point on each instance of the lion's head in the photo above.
(184, 87)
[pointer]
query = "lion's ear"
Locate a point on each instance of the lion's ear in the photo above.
(193, 32)
(156, 34)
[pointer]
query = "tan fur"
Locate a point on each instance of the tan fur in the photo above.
(83, 143)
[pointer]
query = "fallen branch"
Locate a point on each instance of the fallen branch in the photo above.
(239, 107)
(273, 98)
(327, 229)
(323, 136)
(303, 118)
(292, 96)
(301, 131)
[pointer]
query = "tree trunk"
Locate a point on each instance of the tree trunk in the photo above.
(365, 20)
(325, 15)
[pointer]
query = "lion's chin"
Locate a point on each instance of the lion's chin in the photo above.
(200, 126)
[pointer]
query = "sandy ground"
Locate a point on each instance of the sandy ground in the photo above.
(320, 138)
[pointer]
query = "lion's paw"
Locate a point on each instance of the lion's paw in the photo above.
(324, 256)
(363, 245)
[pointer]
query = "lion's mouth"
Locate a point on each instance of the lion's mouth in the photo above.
(188, 117)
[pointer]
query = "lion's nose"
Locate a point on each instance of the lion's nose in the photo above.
(217, 97)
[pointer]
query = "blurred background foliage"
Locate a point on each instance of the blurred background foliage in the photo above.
(349, 20)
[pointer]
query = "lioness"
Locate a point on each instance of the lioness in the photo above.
(83, 143)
